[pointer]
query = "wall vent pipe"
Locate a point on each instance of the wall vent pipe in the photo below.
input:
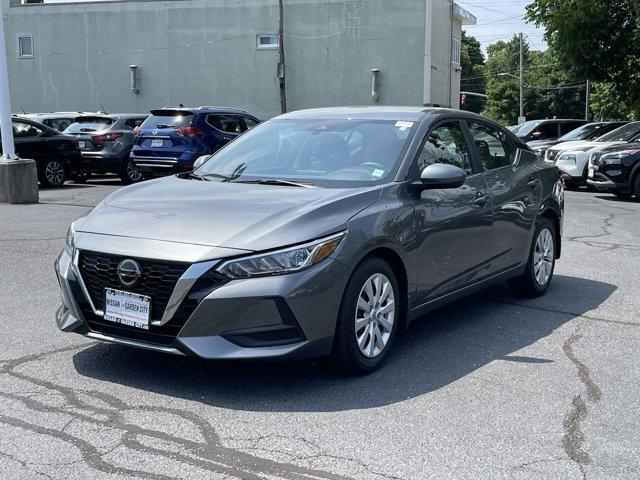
(375, 73)
(133, 70)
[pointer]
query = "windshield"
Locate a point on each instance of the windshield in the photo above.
(526, 128)
(327, 152)
(622, 134)
(581, 133)
(167, 119)
(92, 124)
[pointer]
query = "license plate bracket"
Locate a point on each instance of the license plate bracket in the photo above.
(127, 308)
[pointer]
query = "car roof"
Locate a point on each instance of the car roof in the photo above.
(408, 113)
(205, 109)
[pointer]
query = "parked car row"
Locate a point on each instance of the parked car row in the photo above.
(75, 145)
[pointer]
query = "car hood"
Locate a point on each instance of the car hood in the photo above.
(574, 144)
(231, 215)
(535, 144)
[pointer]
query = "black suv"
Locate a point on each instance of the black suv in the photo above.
(546, 129)
(616, 169)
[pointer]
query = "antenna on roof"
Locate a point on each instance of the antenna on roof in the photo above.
(22, 108)
(181, 105)
(102, 110)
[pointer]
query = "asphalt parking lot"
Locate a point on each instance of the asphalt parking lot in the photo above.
(492, 387)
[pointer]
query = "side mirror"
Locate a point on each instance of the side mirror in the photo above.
(200, 161)
(442, 175)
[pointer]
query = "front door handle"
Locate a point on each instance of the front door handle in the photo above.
(533, 182)
(481, 199)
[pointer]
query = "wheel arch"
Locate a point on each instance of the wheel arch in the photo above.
(397, 264)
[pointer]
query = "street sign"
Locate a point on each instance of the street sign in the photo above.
(521, 120)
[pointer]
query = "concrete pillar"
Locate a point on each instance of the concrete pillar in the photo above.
(18, 178)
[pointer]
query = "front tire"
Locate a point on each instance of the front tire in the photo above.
(368, 318)
(538, 274)
(52, 174)
(129, 173)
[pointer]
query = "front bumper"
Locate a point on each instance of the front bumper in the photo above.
(288, 316)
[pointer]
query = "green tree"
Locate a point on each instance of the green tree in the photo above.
(472, 78)
(549, 91)
(596, 39)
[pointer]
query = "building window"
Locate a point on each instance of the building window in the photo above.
(455, 50)
(266, 41)
(25, 46)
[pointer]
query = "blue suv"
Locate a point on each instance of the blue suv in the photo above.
(171, 139)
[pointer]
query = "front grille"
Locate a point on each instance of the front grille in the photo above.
(99, 271)
(158, 281)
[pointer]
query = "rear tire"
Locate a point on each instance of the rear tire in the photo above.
(538, 274)
(636, 187)
(129, 173)
(368, 318)
(52, 174)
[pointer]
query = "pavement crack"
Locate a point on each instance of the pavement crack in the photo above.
(574, 437)
(209, 454)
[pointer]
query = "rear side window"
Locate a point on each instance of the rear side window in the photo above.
(22, 130)
(60, 124)
(89, 124)
(567, 127)
(495, 148)
(445, 144)
(225, 123)
(168, 119)
(545, 131)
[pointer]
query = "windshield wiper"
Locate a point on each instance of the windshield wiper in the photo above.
(162, 125)
(278, 181)
(195, 176)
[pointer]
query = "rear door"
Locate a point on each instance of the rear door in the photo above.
(453, 225)
(514, 185)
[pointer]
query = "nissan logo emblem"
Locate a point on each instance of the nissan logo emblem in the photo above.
(155, 131)
(129, 272)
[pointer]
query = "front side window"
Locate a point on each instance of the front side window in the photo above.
(545, 131)
(225, 123)
(325, 152)
(60, 124)
(445, 144)
(132, 123)
(250, 122)
(22, 130)
(495, 149)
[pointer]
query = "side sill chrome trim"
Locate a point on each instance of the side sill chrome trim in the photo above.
(133, 343)
(183, 285)
(160, 165)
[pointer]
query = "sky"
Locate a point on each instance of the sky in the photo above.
(500, 20)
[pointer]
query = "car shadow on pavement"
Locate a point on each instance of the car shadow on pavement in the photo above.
(435, 351)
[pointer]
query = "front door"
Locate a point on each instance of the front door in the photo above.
(453, 225)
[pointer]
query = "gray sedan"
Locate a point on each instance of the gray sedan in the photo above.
(320, 233)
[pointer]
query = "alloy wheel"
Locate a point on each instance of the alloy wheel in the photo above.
(543, 257)
(54, 173)
(375, 315)
(133, 173)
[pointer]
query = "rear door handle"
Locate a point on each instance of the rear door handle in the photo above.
(533, 182)
(481, 199)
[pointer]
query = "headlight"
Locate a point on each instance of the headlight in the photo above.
(288, 260)
(567, 157)
(616, 158)
(69, 246)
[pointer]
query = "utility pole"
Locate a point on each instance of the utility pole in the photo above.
(521, 79)
(281, 63)
(588, 99)
(18, 178)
